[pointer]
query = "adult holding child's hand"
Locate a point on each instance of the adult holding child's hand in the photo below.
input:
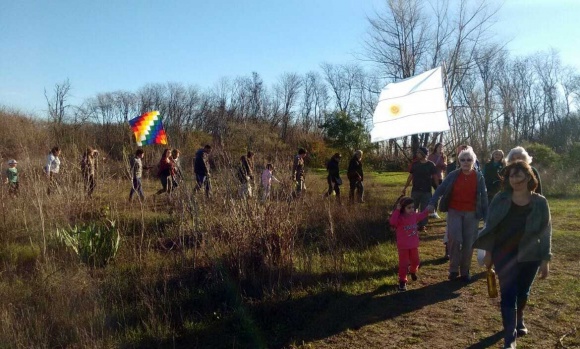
(464, 198)
(517, 240)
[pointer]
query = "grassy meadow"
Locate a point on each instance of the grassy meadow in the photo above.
(192, 272)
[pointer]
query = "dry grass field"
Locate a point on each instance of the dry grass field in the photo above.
(192, 272)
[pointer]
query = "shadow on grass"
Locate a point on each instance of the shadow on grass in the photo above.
(326, 314)
(487, 342)
(218, 317)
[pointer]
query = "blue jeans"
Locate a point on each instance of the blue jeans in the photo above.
(136, 188)
(421, 199)
(515, 279)
(203, 181)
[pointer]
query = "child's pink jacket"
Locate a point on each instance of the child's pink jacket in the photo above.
(406, 225)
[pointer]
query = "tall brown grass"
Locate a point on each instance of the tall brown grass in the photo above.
(175, 249)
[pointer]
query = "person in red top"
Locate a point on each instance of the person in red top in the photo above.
(405, 219)
(166, 172)
(464, 198)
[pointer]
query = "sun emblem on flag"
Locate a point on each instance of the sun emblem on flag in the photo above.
(395, 110)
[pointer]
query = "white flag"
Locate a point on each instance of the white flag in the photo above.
(411, 106)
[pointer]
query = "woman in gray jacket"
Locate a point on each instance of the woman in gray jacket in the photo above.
(464, 198)
(517, 240)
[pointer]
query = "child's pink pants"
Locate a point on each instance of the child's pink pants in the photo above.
(408, 258)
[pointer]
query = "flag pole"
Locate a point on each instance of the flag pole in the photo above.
(454, 135)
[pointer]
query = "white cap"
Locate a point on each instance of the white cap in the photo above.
(12, 162)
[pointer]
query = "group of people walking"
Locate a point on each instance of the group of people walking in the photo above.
(354, 173)
(506, 194)
(517, 232)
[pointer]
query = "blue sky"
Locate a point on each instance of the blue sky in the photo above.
(106, 45)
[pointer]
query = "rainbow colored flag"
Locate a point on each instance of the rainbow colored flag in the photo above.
(148, 129)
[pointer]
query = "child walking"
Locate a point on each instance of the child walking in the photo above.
(405, 219)
(267, 178)
(12, 178)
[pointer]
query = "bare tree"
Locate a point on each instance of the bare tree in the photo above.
(407, 37)
(398, 38)
(343, 80)
(58, 106)
(287, 91)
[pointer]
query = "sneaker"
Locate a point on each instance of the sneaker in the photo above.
(453, 275)
(402, 286)
(521, 329)
(434, 215)
(413, 276)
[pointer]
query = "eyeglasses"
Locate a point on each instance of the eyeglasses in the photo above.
(466, 160)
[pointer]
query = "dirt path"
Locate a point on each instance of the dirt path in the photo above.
(436, 313)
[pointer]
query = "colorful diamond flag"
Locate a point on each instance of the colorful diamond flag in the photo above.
(148, 129)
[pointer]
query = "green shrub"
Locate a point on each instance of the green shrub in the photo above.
(95, 244)
(571, 160)
(543, 156)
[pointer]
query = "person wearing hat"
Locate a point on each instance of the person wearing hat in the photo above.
(423, 174)
(12, 178)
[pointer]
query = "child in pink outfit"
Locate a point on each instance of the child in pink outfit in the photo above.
(404, 219)
(267, 178)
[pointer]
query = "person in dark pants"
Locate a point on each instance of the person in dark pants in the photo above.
(246, 175)
(440, 160)
(355, 176)
(298, 172)
(517, 240)
(423, 174)
(492, 173)
(166, 171)
(136, 174)
(201, 169)
(333, 178)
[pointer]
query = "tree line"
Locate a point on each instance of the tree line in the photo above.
(495, 100)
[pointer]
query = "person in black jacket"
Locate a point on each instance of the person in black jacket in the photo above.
(246, 175)
(333, 179)
(201, 169)
(492, 172)
(355, 176)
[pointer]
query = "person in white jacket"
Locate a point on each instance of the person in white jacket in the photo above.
(52, 168)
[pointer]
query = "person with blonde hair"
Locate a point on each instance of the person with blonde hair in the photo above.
(355, 176)
(464, 198)
(519, 153)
